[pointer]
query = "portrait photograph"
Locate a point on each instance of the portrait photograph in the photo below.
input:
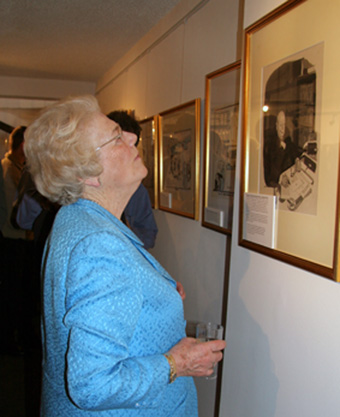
(290, 133)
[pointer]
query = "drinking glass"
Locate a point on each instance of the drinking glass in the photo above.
(206, 332)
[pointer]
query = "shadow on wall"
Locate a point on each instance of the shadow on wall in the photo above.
(195, 256)
(164, 241)
(251, 384)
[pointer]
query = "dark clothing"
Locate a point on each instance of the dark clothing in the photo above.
(139, 217)
(3, 208)
(15, 292)
(12, 168)
(32, 211)
(276, 159)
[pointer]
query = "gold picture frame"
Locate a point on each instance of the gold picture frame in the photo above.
(222, 90)
(179, 156)
(290, 136)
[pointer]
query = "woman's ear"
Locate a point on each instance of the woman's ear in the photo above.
(92, 182)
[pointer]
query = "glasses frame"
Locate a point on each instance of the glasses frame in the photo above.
(112, 139)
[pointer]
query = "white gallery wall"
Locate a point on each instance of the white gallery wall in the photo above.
(283, 328)
(167, 68)
(42, 89)
(21, 98)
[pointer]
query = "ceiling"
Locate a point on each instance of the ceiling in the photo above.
(72, 39)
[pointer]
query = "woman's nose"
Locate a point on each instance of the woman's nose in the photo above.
(129, 138)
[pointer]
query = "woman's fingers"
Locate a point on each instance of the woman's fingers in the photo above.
(197, 359)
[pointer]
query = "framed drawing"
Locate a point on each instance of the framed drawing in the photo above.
(290, 140)
(148, 148)
(179, 140)
(221, 127)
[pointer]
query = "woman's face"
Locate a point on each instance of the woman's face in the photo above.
(281, 125)
(123, 168)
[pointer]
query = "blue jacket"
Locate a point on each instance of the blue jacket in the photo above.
(110, 312)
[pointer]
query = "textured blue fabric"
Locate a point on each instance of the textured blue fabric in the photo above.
(110, 312)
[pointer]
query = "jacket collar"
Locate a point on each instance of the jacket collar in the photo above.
(129, 233)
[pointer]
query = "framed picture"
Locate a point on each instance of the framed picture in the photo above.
(290, 140)
(179, 140)
(148, 148)
(221, 127)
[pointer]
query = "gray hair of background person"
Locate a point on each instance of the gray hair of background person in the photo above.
(59, 172)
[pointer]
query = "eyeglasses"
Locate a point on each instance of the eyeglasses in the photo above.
(120, 132)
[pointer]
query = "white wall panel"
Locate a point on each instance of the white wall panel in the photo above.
(136, 87)
(164, 78)
(114, 96)
(42, 88)
(194, 256)
(255, 10)
(210, 44)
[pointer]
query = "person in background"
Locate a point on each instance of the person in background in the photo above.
(12, 165)
(16, 252)
(32, 211)
(114, 341)
(138, 213)
(280, 153)
(3, 208)
(3, 260)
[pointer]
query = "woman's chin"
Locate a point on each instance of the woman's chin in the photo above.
(146, 172)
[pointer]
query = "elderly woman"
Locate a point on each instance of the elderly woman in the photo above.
(114, 340)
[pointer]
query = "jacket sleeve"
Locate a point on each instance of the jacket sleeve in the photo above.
(103, 304)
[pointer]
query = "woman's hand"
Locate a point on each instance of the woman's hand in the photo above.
(194, 358)
(181, 291)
